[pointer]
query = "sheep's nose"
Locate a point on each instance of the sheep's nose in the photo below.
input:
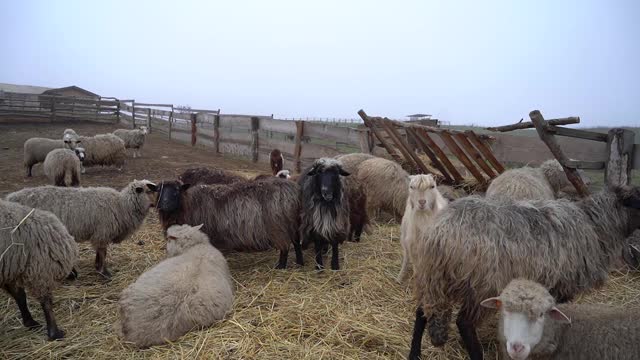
(517, 348)
(422, 202)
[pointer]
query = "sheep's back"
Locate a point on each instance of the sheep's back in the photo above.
(59, 161)
(521, 184)
(386, 184)
(103, 149)
(36, 149)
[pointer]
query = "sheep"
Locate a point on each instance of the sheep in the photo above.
(69, 136)
(351, 162)
(133, 139)
(528, 183)
(209, 176)
(36, 150)
(532, 326)
(99, 215)
(102, 149)
(423, 203)
(475, 246)
(241, 216)
(284, 174)
(190, 289)
(276, 160)
(37, 253)
(61, 163)
(358, 212)
(386, 184)
(325, 213)
(631, 251)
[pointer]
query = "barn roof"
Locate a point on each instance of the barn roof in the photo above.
(419, 115)
(27, 89)
(72, 87)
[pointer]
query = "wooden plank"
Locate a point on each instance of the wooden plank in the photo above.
(281, 126)
(485, 150)
(636, 156)
(434, 159)
(590, 165)
(457, 151)
(531, 125)
(474, 154)
(234, 136)
(327, 132)
(405, 149)
(163, 105)
(577, 133)
(440, 154)
(371, 125)
(620, 157)
(550, 140)
(216, 134)
(297, 152)
(255, 139)
(194, 130)
(216, 112)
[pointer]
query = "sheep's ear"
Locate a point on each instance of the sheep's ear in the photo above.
(343, 172)
(313, 171)
(558, 315)
(152, 187)
(184, 187)
(139, 189)
(198, 227)
(492, 303)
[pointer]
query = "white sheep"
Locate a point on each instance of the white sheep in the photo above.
(36, 150)
(423, 203)
(102, 149)
(532, 326)
(386, 185)
(36, 252)
(284, 174)
(99, 215)
(133, 139)
(62, 166)
(190, 289)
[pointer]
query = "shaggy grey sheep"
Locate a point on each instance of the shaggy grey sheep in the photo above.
(386, 184)
(36, 150)
(325, 212)
(102, 149)
(528, 183)
(475, 246)
(241, 216)
(133, 139)
(61, 164)
(531, 326)
(99, 215)
(190, 289)
(37, 252)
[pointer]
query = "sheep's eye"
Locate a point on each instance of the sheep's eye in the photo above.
(433, 186)
(541, 314)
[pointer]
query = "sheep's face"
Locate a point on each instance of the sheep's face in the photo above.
(284, 174)
(80, 153)
(71, 141)
(182, 237)
(326, 176)
(144, 130)
(169, 193)
(422, 192)
(147, 189)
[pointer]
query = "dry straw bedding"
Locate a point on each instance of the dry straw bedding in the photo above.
(356, 313)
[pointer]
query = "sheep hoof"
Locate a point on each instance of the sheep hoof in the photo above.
(31, 324)
(105, 273)
(55, 335)
(280, 266)
(72, 275)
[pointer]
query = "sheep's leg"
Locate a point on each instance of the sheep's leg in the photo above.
(403, 267)
(73, 274)
(101, 267)
(298, 249)
(59, 180)
(318, 246)
(335, 260)
(358, 232)
(18, 294)
(82, 169)
(467, 329)
(418, 332)
(75, 179)
(282, 261)
(52, 328)
(29, 167)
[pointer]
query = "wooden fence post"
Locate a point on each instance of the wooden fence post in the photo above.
(170, 121)
(98, 108)
(216, 133)
(53, 110)
(297, 151)
(194, 130)
(118, 111)
(133, 114)
(255, 146)
(619, 157)
(149, 120)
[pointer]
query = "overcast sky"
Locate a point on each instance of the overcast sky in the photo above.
(482, 62)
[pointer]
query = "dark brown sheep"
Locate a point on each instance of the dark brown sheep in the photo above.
(276, 160)
(209, 176)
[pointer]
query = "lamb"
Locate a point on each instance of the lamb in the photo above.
(475, 246)
(325, 213)
(358, 212)
(69, 136)
(133, 139)
(532, 326)
(351, 162)
(190, 289)
(102, 149)
(241, 216)
(284, 174)
(386, 184)
(527, 183)
(423, 203)
(62, 163)
(209, 176)
(36, 150)
(276, 160)
(99, 215)
(37, 253)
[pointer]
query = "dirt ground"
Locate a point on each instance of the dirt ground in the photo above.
(359, 312)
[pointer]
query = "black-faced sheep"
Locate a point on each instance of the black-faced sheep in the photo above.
(37, 253)
(102, 149)
(190, 289)
(241, 216)
(133, 139)
(475, 246)
(62, 166)
(423, 203)
(209, 176)
(386, 184)
(531, 326)
(325, 213)
(99, 215)
(276, 160)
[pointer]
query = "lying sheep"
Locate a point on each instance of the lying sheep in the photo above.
(284, 174)
(190, 289)
(325, 212)
(37, 253)
(423, 203)
(99, 215)
(61, 164)
(209, 176)
(276, 160)
(36, 150)
(532, 326)
(386, 184)
(631, 250)
(133, 139)
(475, 246)
(102, 149)
(241, 216)
(528, 183)
(351, 162)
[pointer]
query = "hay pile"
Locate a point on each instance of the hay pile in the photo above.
(359, 312)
